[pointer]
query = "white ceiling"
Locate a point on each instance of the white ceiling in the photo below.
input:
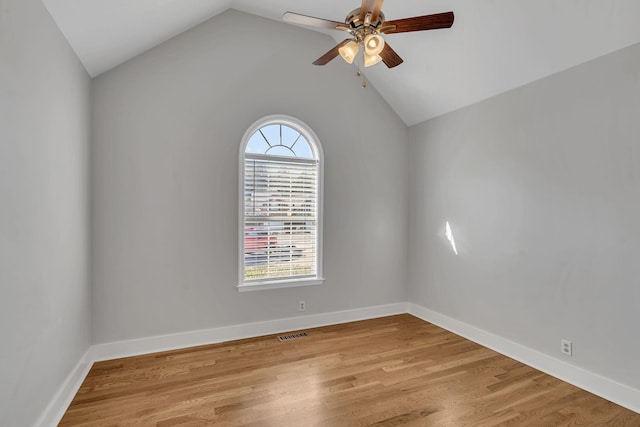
(493, 46)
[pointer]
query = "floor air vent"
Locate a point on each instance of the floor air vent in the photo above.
(292, 336)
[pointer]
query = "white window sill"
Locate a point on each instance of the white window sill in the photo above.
(260, 286)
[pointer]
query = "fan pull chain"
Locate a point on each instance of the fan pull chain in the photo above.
(361, 73)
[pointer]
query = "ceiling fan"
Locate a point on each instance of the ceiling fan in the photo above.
(366, 24)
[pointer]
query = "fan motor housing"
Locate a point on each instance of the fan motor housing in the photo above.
(354, 21)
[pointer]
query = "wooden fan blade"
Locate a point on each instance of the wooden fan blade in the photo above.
(312, 21)
(390, 57)
(364, 7)
(376, 10)
(372, 6)
(324, 59)
(420, 23)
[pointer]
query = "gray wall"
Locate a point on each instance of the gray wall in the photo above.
(44, 133)
(166, 132)
(541, 186)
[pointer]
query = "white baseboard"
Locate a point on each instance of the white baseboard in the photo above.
(115, 350)
(65, 394)
(601, 386)
(59, 404)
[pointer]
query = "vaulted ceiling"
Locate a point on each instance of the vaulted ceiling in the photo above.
(493, 46)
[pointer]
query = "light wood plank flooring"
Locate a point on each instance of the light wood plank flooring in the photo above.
(391, 371)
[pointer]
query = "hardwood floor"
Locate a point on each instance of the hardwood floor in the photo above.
(391, 371)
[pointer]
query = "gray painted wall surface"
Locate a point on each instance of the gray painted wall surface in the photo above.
(166, 132)
(541, 186)
(44, 134)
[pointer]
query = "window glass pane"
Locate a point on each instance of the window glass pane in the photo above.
(257, 144)
(279, 250)
(272, 133)
(303, 149)
(280, 150)
(289, 136)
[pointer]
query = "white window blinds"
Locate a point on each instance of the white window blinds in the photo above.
(280, 218)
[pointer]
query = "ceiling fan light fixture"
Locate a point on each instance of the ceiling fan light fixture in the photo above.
(365, 26)
(373, 44)
(370, 60)
(349, 51)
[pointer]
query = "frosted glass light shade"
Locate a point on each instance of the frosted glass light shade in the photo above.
(370, 60)
(373, 44)
(349, 51)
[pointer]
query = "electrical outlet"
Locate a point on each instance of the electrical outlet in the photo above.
(566, 347)
(301, 305)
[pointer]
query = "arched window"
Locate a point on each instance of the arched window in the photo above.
(280, 205)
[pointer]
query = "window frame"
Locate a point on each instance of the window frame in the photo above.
(316, 147)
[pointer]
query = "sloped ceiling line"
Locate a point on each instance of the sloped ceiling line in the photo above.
(494, 45)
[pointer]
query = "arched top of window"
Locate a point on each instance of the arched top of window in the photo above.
(282, 136)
